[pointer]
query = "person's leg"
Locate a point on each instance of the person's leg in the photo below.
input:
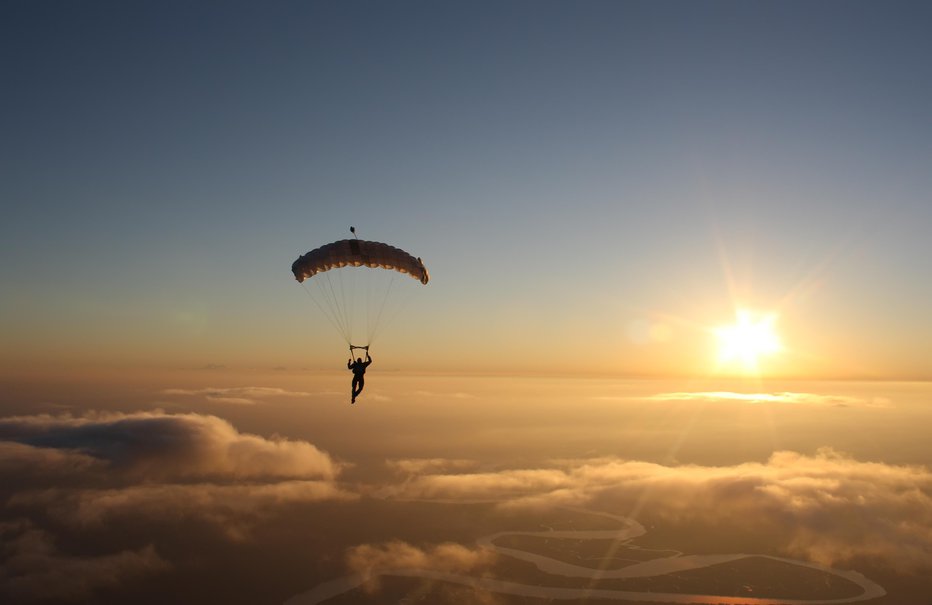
(354, 391)
(362, 383)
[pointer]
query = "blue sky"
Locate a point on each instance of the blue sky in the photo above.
(564, 168)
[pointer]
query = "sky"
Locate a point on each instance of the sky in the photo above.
(593, 186)
(675, 343)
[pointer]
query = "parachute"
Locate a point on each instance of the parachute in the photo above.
(353, 283)
(358, 253)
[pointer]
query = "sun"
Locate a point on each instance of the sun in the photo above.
(751, 337)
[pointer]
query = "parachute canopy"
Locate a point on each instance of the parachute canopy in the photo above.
(358, 302)
(358, 253)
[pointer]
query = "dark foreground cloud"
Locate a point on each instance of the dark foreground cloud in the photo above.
(77, 476)
(828, 508)
(34, 568)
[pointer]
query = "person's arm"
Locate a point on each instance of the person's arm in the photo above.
(349, 364)
(368, 359)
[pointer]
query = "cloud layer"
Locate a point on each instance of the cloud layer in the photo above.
(433, 465)
(79, 474)
(236, 395)
(827, 507)
(778, 397)
(448, 556)
(34, 568)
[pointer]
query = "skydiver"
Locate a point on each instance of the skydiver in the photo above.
(358, 368)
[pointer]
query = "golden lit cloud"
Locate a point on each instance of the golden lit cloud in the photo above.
(370, 559)
(484, 486)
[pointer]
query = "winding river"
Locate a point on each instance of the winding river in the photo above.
(631, 529)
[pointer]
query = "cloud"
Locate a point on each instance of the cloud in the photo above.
(443, 395)
(371, 560)
(233, 508)
(377, 397)
(827, 507)
(432, 465)
(486, 486)
(448, 556)
(33, 568)
(84, 479)
(22, 459)
(779, 397)
(160, 446)
(236, 395)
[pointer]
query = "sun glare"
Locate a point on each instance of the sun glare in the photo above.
(751, 337)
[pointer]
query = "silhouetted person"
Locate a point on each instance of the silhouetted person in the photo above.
(359, 373)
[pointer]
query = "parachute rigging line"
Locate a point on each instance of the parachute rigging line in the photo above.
(326, 313)
(339, 310)
(376, 325)
(348, 304)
